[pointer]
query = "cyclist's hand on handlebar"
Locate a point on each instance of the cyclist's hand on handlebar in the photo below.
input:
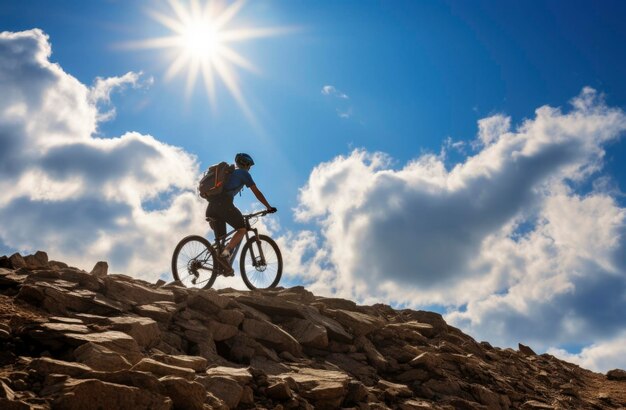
(271, 210)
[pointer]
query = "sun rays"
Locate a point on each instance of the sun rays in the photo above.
(201, 42)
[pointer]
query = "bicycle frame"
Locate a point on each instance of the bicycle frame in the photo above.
(221, 241)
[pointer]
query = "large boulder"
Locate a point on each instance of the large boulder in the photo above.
(96, 394)
(144, 330)
(272, 335)
(360, 323)
(224, 388)
(221, 331)
(17, 261)
(207, 300)
(61, 297)
(307, 333)
(241, 375)
(131, 293)
(186, 395)
(117, 341)
(100, 358)
(37, 261)
(161, 312)
(325, 388)
(334, 329)
(100, 270)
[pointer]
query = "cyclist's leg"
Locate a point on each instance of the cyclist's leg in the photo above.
(216, 210)
(218, 224)
(233, 216)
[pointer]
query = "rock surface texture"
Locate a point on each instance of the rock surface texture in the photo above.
(70, 339)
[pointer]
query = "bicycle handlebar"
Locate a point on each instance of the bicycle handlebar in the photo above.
(260, 213)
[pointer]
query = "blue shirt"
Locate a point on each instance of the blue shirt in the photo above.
(237, 180)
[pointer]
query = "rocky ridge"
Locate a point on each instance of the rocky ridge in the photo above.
(73, 339)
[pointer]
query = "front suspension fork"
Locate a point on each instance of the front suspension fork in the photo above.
(255, 239)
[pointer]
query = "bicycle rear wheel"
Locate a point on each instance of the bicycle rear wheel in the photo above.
(193, 262)
(261, 272)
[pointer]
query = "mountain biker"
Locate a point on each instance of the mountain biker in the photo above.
(222, 209)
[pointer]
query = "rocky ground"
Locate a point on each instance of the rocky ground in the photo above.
(70, 339)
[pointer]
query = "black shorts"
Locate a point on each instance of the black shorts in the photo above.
(224, 211)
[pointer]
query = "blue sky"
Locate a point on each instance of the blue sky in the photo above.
(357, 107)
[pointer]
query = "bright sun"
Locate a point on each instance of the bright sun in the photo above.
(201, 40)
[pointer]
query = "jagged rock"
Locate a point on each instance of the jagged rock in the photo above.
(361, 371)
(525, 350)
(145, 331)
(616, 374)
(224, 388)
(272, 305)
(241, 375)
(162, 369)
(56, 298)
(100, 358)
(360, 323)
(196, 363)
(131, 378)
(272, 335)
(6, 404)
(486, 396)
(336, 303)
(356, 392)
(302, 351)
(130, 292)
(230, 317)
(334, 329)
(207, 300)
(117, 341)
(37, 261)
(17, 261)
(100, 269)
(325, 388)
(394, 390)
(47, 365)
(307, 333)
(373, 355)
(96, 394)
(186, 395)
(221, 331)
(8, 279)
(279, 391)
(162, 312)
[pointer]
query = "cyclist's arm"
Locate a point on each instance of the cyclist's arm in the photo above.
(259, 196)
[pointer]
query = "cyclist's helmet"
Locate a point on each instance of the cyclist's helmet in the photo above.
(243, 159)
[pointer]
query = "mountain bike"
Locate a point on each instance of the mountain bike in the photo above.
(195, 264)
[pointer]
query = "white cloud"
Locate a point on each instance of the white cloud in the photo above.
(601, 357)
(500, 239)
(332, 91)
(80, 197)
(101, 91)
(491, 128)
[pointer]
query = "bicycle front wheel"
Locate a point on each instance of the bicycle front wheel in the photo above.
(261, 263)
(193, 262)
